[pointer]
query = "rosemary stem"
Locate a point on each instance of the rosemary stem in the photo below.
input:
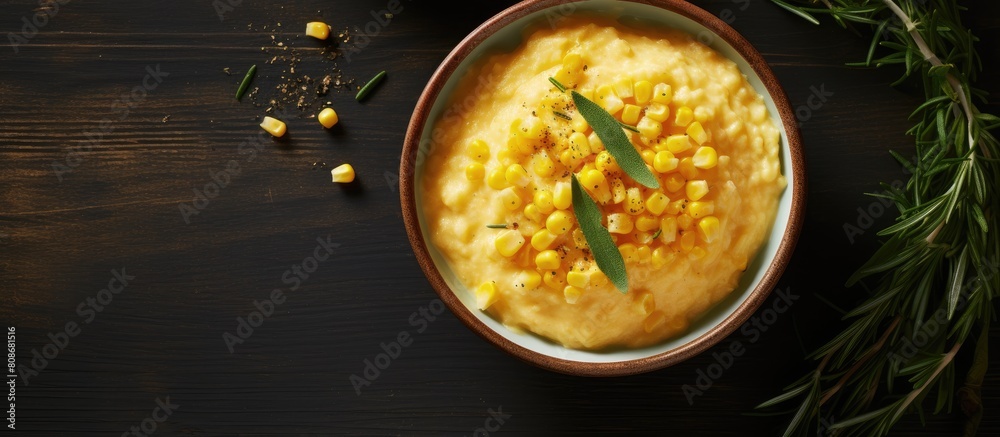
(871, 353)
(932, 58)
(945, 361)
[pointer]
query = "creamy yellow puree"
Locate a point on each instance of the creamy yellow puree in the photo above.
(503, 153)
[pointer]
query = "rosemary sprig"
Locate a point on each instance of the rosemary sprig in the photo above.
(246, 82)
(937, 273)
(370, 86)
(497, 226)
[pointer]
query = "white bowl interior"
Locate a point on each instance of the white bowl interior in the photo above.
(510, 37)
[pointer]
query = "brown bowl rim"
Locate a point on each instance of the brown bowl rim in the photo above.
(625, 367)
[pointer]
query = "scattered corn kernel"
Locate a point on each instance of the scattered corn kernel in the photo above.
(543, 239)
(656, 203)
(486, 295)
(508, 242)
(559, 223)
(510, 199)
(649, 128)
(607, 164)
(543, 200)
(695, 190)
(629, 252)
(623, 87)
(618, 192)
(634, 203)
(562, 196)
(318, 30)
(687, 169)
(668, 230)
(547, 260)
(643, 90)
(328, 117)
(697, 133)
(273, 126)
(630, 115)
(619, 223)
(700, 209)
(665, 162)
(684, 222)
(475, 172)
(517, 176)
(544, 166)
(709, 229)
(555, 279)
(606, 97)
(578, 279)
(343, 174)
(579, 240)
(661, 257)
(479, 151)
(595, 182)
(496, 179)
(678, 144)
(532, 213)
(572, 294)
(684, 116)
(662, 93)
(646, 223)
(705, 157)
(675, 182)
(687, 241)
(528, 280)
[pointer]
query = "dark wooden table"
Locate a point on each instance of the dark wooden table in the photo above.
(75, 215)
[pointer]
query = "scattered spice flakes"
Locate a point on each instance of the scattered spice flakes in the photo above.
(226, 70)
(165, 118)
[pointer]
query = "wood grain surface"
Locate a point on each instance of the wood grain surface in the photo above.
(118, 209)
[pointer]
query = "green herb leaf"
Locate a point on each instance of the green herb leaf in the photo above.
(561, 87)
(497, 226)
(367, 89)
(610, 132)
(246, 82)
(606, 254)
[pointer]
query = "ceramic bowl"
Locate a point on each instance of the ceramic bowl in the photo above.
(502, 33)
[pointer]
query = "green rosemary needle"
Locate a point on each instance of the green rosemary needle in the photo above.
(246, 82)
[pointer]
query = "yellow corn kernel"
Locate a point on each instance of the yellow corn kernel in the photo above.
(573, 62)
(328, 117)
(595, 182)
(705, 157)
(531, 128)
(678, 144)
(648, 156)
(618, 192)
(658, 112)
(695, 190)
(646, 223)
(517, 176)
(687, 241)
(508, 242)
(684, 116)
(578, 279)
(507, 156)
(606, 97)
(684, 221)
(643, 90)
(661, 257)
(544, 166)
(629, 252)
(475, 172)
(597, 278)
(343, 174)
(532, 213)
(555, 279)
(571, 294)
(646, 303)
(510, 199)
(579, 240)
(656, 203)
(634, 203)
(559, 222)
(528, 280)
(543, 200)
(496, 180)
(619, 223)
(668, 230)
(644, 254)
(486, 295)
(607, 164)
(562, 196)
(547, 260)
(675, 182)
(623, 87)
(565, 77)
(653, 321)
(649, 128)
(697, 252)
(273, 126)
(700, 209)
(318, 30)
(543, 239)
(580, 145)
(697, 133)
(687, 169)
(709, 229)
(665, 162)
(587, 92)
(579, 123)
(596, 145)
(662, 93)
(478, 150)
(630, 115)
